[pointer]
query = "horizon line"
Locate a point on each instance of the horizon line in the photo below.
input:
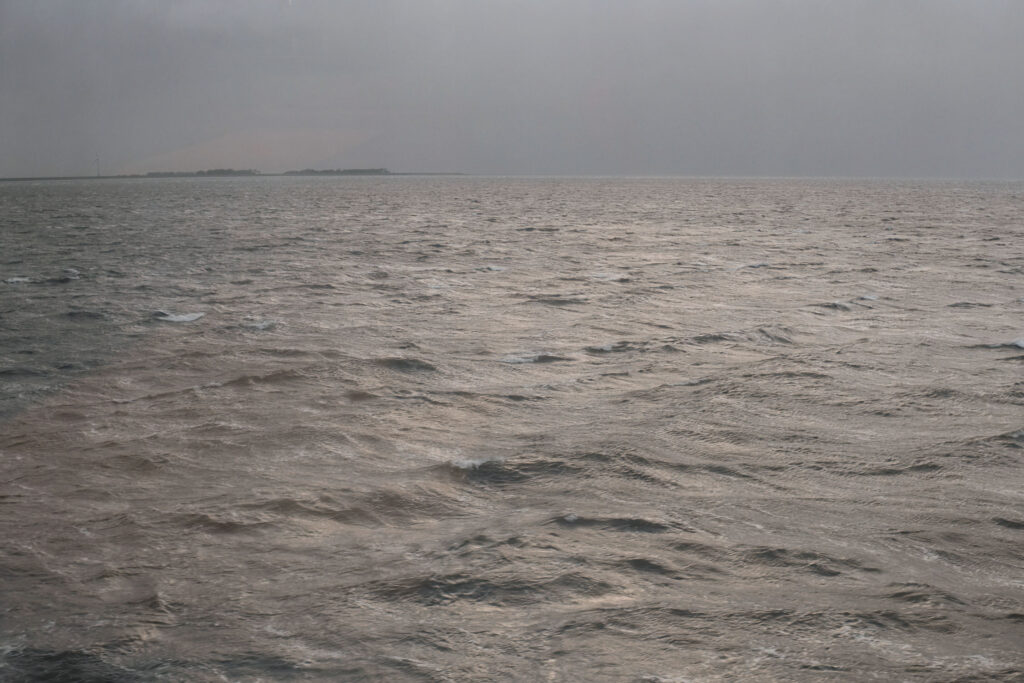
(384, 172)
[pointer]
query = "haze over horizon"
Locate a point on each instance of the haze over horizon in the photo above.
(732, 87)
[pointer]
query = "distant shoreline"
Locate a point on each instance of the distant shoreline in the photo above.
(354, 173)
(235, 173)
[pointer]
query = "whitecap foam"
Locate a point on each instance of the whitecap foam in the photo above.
(177, 318)
(1015, 344)
(611, 277)
(472, 463)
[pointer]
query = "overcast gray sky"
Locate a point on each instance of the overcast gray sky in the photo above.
(704, 87)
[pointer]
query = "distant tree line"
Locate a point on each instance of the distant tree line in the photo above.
(230, 172)
(341, 171)
(208, 172)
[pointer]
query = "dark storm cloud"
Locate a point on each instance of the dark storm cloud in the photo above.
(799, 87)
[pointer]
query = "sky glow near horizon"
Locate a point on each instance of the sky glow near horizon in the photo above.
(909, 88)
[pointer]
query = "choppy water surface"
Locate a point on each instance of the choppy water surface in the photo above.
(511, 429)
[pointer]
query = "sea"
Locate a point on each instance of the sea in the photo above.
(460, 428)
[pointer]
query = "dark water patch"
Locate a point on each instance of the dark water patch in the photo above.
(184, 391)
(702, 550)
(358, 395)
(617, 347)
(536, 358)
(485, 541)
(291, 352)
(774, 335)
(791, 374)
(969, 304)
(939, 392)
(22, 371)
(625, 464)
(915, 593)
(972, 449)
(1014, 439)
(1009, 675)
(724, 471)
(402, 505)
(917, 468)
(712, 338)
(409, 395)
(824, 667)
(639, 474)
(902, 621)
(549, 358)
(672, 626)
(600, 457)
(710, 468)
(646, 566)
(136, 462)
(272, 378)
(500, 591)
(816, 563)
(760, 335)
(258, 666)
(625, 524)
(411, 669)
(208, 523)
(1015, 524)
(835, 306)
(987, 450)
(505, 472)
(405, 364)
(84, 316)
(61, 666)
(501, 399)
(460, 393)
(1015, 344)
(656, 393)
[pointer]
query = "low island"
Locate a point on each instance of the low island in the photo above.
(234, 173)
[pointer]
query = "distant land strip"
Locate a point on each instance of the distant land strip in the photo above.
(234, 172)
